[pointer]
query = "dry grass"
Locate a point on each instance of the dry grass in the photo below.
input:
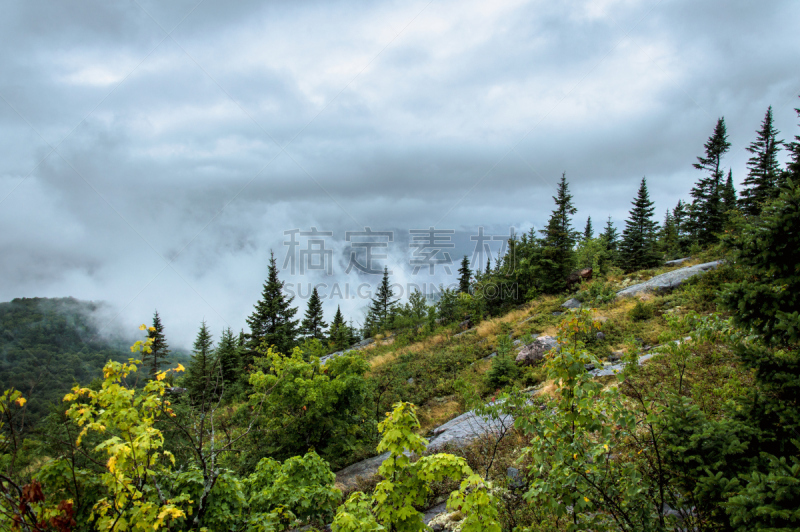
(385, 358)
(438, 412)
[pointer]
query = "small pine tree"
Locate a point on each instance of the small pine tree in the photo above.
(272, 320)
(762, 181)
(201, 375)
(156, 359)
(637, 248)
(313, 325)
(610, 236)
(381, 310)
(339, 332)
(668, 241)
(588, 231)
(464, 275)
(706, 213)
(227, 355)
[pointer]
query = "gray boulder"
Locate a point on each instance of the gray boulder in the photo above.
(571, 303)
(669, 280)
(534, 352)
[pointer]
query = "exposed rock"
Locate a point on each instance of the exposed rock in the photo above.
(571, 303)
(677, 261)
(410, 380)
(466, 324)
(534, 352)
(175, 390)
(600, 336)
(557, 313)
(355, 347)
(576, 277)
(667, 281)
(348, 477)
(462, 333)
(434, 511)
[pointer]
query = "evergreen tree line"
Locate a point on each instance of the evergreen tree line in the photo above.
(541, 261)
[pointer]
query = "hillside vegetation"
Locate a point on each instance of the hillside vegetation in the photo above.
(703, 435)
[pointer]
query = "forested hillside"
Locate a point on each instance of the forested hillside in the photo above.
(48, 345)
(608, 387)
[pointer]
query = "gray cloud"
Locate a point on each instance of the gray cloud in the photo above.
(182, 159)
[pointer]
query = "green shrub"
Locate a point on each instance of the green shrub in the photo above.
(642, 311)
(502, 372)
(598, 293)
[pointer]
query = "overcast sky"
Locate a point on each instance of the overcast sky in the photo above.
(151, 155)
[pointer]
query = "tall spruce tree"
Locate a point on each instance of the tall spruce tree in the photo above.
(156, 359)
(201, 375)
(559, 240)
(464, 274)
(637, 248)
(381, 310)
(272, 320)
(763, 178)
(707, 210)
(313, 325)
(588, 230)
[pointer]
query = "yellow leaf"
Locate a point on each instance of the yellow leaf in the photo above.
(606, 446)
(112, 462)
(21, 401)
(152, 329)
(586, 499)
(142, 327)
(180, 368)
(160, 376)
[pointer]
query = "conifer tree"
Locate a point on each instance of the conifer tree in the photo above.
(464, 275)
(706, 213)
(637, 248)
(272, 320)
(156, 359)
(610, 236)
(313, 325)
(763, 178)
(559, 240)
(201, 374)
(488, 266)
(339, 332)
(793, 166)
(227, 356)
(668, 240)
(588, 231)
(381, 310)
(729, 193)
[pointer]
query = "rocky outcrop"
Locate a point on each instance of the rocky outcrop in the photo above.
(355, 347)
(571, 303)
(534, 352)
(667, 281)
